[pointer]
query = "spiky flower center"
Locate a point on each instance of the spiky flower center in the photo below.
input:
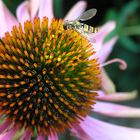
(46, 76)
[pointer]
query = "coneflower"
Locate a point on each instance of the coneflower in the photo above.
(46, 77)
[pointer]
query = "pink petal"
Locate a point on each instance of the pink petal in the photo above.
(115, 97)
(7, 20)
(8, 135)
(79, 132)
(107, 49)
(103, 50)
(26, 136)
(23, 11)
(99, 130)
(40, 138)
(4, 126)
(46, 9)
(115, 110)
(53, 137)
(103, 32)
(34, 7)
(76, 10)
(107, 84)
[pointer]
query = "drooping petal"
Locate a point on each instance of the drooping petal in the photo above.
(4, 125)
(7, 20)
(27, 135)
(8, 135)
(46, 9)
(19, 134)
(107, 84)
(122, 63)
(40, 138)
(76, 10)
(53, 137)
(115, 110)
(34, 7)
(118, 96)
(23, 12)
(99, 130)
(79, 132)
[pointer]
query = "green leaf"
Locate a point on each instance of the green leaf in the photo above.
(111, 15)
(129, 44)
(128, 9)
(132, 30)
(58, 10)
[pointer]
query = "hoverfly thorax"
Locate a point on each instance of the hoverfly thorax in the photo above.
(69, 24)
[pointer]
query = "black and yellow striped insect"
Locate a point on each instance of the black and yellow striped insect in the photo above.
(80, 27)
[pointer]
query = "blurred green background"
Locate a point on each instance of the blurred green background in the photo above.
(126, 13)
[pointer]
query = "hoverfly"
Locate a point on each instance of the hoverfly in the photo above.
(82, 28)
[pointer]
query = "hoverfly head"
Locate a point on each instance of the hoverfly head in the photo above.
(65, 24)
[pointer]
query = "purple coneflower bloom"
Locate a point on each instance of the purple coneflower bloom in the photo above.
(49, 78)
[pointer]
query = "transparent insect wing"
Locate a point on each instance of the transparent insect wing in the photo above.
(87, 15)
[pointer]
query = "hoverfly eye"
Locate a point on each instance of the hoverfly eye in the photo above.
(65, 27)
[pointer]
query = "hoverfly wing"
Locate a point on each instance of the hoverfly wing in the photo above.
(87, 15)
